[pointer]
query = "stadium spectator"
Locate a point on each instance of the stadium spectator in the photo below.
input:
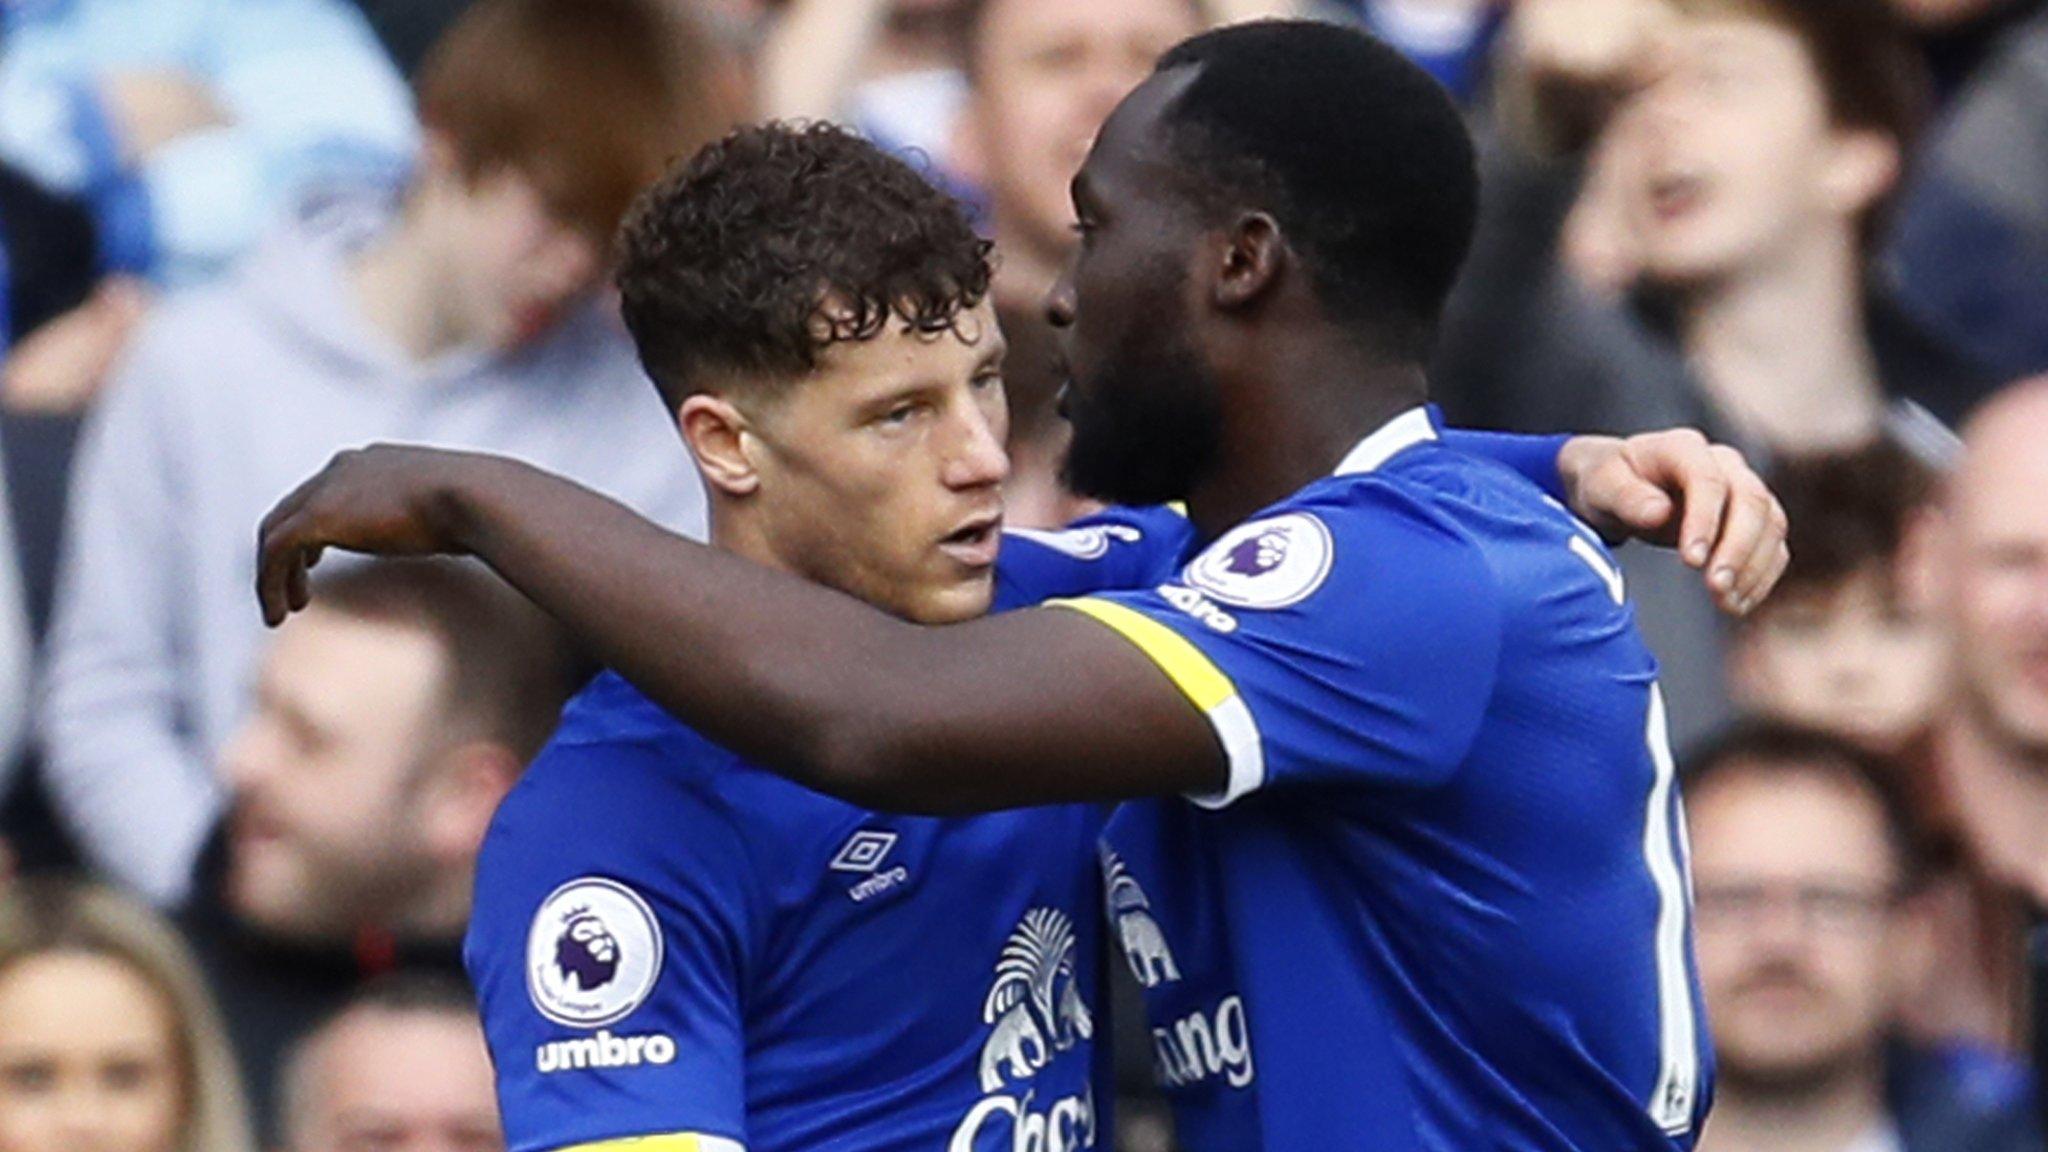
(191, 125)
(386, 729)
(1756, 144)
(1810, 937)
(1959, 36)
(887, 67)
(1043, 74)
(108, 1040)
(472, 319)
(1982, 564)
(58, 335)
(401, 1066)
(1970, 250)
(1838, 647)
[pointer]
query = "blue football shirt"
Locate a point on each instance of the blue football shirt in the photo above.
(1441, 904)
(675, 951)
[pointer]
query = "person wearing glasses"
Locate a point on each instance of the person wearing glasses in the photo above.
(1808, 863)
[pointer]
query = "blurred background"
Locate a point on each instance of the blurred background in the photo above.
(239, 235)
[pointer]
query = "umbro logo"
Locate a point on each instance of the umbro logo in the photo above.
(864, 854)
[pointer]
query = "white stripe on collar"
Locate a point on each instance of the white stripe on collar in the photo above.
(1404, 431)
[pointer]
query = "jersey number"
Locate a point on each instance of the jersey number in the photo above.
(1678, 1072)
(1678, 1062)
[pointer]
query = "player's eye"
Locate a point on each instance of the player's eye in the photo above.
(988, 380)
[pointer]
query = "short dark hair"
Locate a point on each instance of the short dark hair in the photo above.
(1778, 750)
(730, 262)
(1848, 512)
(1360, 156)
(510, 666)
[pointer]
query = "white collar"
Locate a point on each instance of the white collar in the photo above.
(1404, 431)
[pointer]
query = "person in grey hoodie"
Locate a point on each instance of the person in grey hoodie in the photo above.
(469, 317)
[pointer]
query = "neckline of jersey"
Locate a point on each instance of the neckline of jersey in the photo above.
(1387, 441)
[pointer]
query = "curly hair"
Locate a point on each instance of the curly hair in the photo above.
(747, 261)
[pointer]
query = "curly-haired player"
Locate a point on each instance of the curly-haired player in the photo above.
(787, 970)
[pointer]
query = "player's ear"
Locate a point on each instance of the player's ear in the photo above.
(717, 432)
(1248, 262)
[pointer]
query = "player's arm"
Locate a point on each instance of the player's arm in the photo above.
(1032, 707)
(608, 950)
(1673, 487)
(1024, 708)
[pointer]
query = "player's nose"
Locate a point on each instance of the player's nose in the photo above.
(1059, 299)
(979, 458)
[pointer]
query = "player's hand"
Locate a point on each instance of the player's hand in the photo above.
(1677, 489)
(385, 500)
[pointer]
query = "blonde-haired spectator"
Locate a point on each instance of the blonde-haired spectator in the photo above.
(109, 1039)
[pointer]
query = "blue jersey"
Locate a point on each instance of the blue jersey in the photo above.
(1441, 903)
(678, 952)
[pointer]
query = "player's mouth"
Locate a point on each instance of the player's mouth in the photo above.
(975, 543)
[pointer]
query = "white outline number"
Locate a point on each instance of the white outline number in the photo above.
(1678, 1074)
(1678, 1064)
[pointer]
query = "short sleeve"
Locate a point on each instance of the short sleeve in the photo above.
(1533, 458)
(609, 947)
(1342, 642)
(1119, 548)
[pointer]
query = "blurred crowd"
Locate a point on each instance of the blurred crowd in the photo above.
(239, 235)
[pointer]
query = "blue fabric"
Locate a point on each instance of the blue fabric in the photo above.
(1976, 278)
(1463, 70)
(935, 989)
(1449, 912)
(120, 202)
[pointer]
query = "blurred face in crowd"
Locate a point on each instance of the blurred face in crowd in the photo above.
(397, 1082)
(1988, 570)
(88, 1059)
(880, 473)
(330, 829)
(1047, 73)
(1852, 660)
(1802, 945)
(1734, 163)
(510, 265)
